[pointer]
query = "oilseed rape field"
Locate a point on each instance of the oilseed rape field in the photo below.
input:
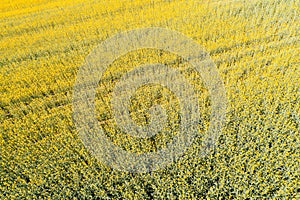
(254, 46)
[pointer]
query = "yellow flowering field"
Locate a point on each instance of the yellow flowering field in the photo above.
(255, 47)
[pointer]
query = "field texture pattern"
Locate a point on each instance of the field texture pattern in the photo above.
(255, 46)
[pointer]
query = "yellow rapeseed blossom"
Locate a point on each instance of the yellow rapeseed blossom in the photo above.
(255, 46)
